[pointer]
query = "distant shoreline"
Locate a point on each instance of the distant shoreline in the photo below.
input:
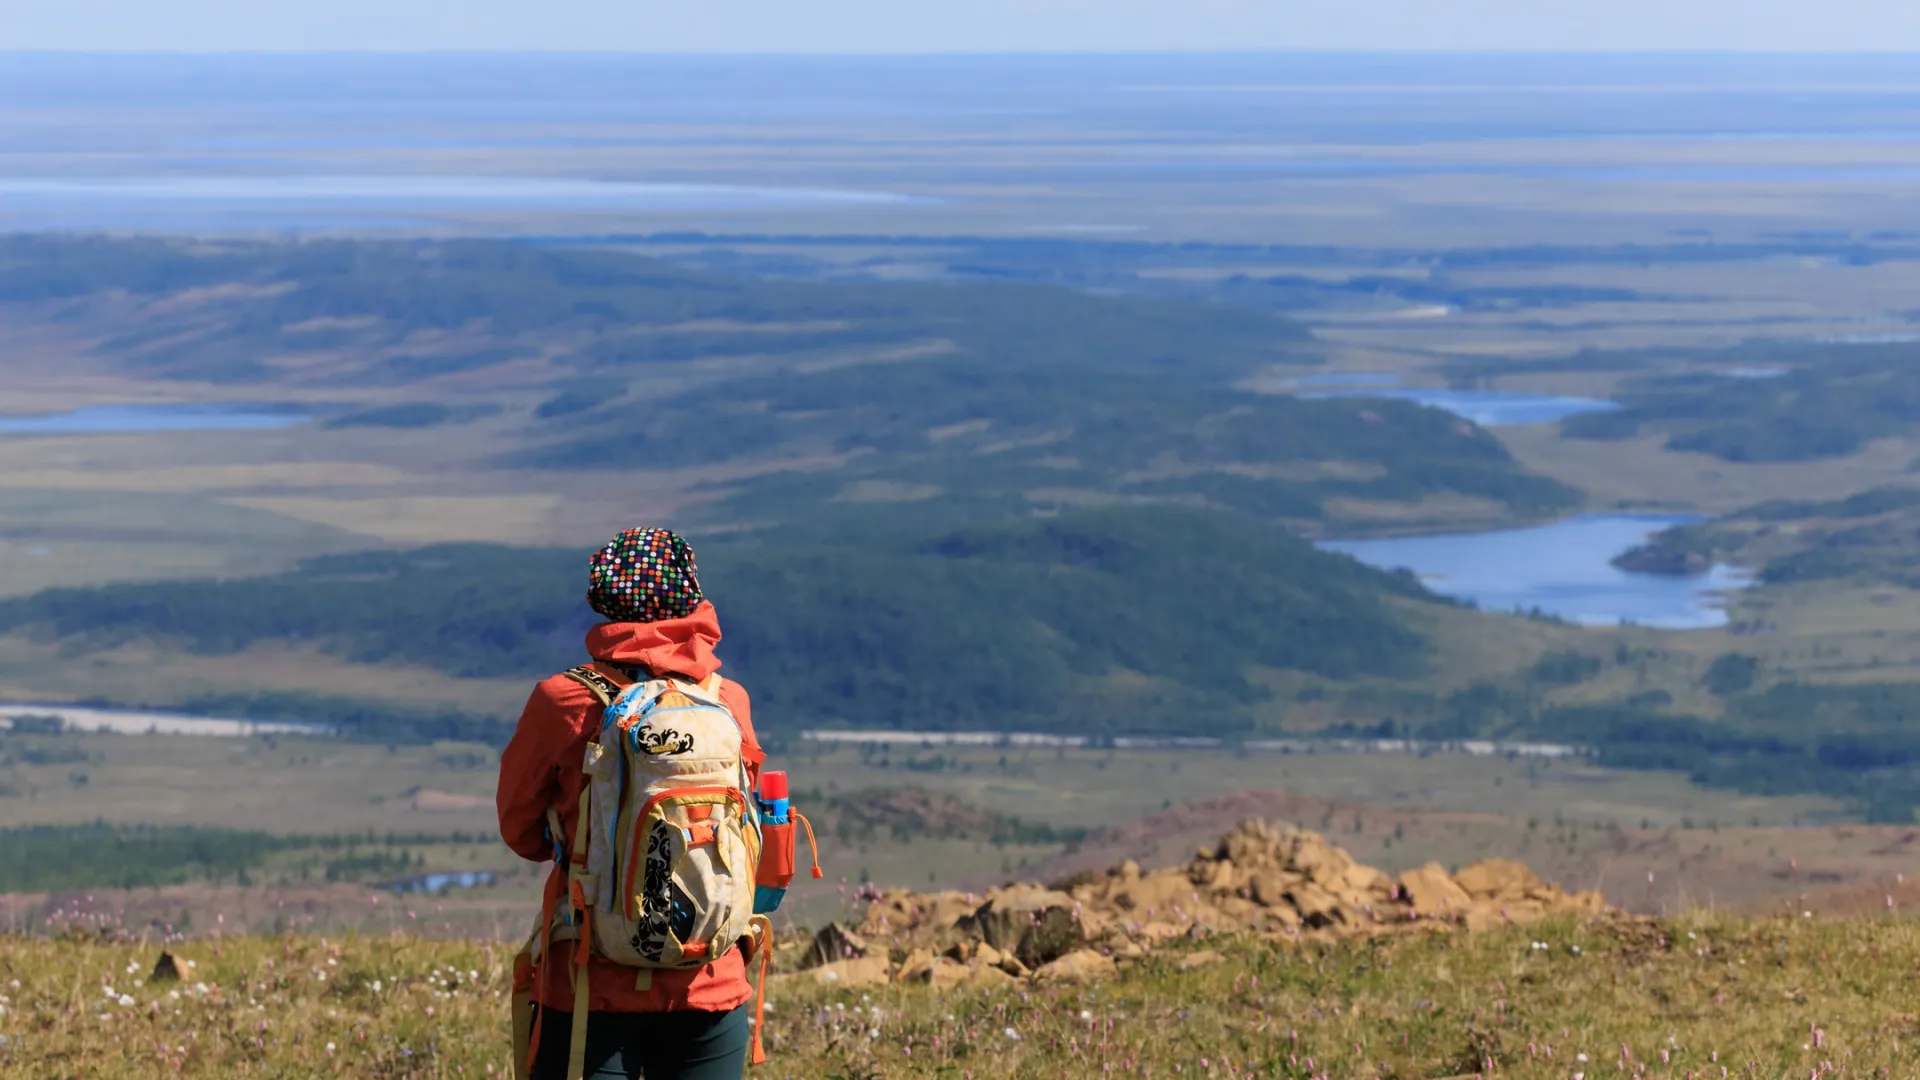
(82, 718)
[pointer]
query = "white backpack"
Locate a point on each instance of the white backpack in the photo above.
(675, 837)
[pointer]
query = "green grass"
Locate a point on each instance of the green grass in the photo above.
(1768, 1000)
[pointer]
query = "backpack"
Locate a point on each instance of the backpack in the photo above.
(673, 859)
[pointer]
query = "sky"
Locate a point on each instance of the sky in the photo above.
(886, 26)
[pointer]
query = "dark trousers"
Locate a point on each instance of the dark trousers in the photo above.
(657, 1046)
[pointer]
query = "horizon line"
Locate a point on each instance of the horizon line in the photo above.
(827, 54)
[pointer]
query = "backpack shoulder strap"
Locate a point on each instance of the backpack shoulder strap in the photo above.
(597, 683)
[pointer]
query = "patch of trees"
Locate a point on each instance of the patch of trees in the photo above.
(1829, 401)
(51, 858)
(1146, 619)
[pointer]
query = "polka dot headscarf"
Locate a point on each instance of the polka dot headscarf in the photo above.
(643, 575)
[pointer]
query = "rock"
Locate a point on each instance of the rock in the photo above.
(1498, 879)
(988, 956)
(1316, 906)
(1079, 966)
(1432, 893)
(918, 959)
(1317, 859)
(1278, 881)
(1367, 880)
(1203, 958)
(900, 911)
(935, 971)
(1269, 888)
(1154, 933)
(834, 943)
(856, 974)
(987, 978)
(165, 969)
(1155, 895)
(1035, 924)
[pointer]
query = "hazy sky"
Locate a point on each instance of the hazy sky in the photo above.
(959, 25)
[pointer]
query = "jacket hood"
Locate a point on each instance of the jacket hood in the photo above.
(682, 646)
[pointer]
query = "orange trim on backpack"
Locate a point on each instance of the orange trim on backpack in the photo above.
(549, 894)
(759, 1054)
(811, 844)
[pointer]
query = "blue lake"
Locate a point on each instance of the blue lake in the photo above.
(99, 419)
(1488, 408)
(1563, 569)
(430, 884)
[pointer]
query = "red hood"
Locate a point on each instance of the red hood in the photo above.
(682, 646)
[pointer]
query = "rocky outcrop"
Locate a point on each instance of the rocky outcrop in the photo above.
(1261, 878)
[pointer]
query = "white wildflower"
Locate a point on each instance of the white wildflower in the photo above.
(1012, 1034)
(126, 1001)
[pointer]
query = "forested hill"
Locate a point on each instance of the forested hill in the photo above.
(1126, 620)
(498, 356)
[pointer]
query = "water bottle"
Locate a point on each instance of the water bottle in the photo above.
(776, 830)
(774, 804)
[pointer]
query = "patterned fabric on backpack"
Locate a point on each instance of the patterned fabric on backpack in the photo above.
(674, 841)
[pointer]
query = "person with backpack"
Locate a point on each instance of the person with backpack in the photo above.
(640, 777)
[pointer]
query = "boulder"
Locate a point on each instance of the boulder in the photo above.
(1036, 925)
(985, 955)
(903, 912)
(1498, 879)
(834, 943)
(935, 971)
(1269, 888)
(1079, 966)
(1432, 893)
(856, 974)
(1317, 907)
(987, 978)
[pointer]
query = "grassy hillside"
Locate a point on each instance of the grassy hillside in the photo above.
(1776, 998)
(1086, 621)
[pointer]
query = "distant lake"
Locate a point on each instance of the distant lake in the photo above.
(96, 419)
(433, 884)
(1488, 408)
(1563, 569)
(295, 198)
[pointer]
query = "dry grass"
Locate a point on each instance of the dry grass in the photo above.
(1694, 997)
(1642, 473)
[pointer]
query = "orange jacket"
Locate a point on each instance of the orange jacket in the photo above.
(541, 767)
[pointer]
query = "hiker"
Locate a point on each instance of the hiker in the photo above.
(647, 724)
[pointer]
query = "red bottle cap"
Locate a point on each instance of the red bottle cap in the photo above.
(773, 785)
